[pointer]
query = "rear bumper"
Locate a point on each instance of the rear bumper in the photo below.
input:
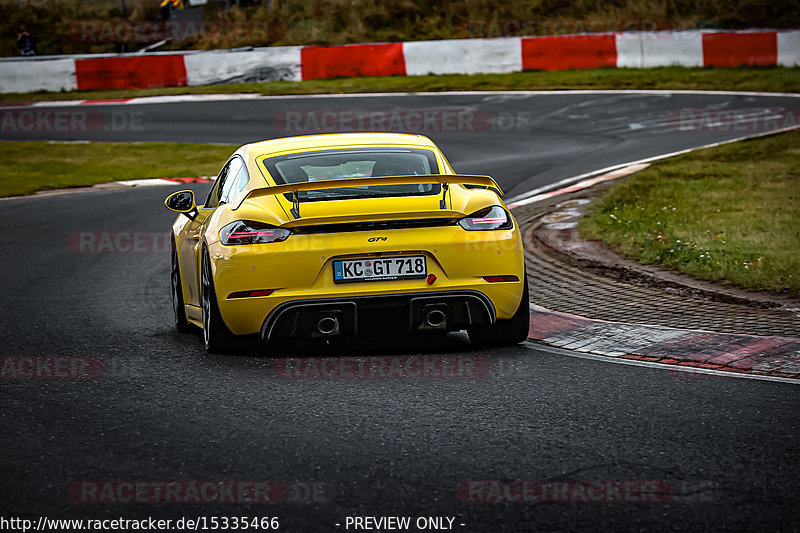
(300, 271)
(377, 315)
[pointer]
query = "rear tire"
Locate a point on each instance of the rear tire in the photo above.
(216, 336)
(506, 332)
(178, 309)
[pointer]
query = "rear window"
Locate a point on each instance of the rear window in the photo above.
(361, 163)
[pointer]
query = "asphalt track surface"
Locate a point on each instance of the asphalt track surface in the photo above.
(163, 410)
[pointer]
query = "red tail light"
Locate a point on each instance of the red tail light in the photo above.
(490, 218)
(250, 294)
(248, 232)
(495, 279)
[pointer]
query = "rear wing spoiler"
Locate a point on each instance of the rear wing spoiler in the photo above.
(441, 179)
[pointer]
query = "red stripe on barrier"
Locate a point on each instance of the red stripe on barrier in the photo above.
(353, 60)
(190, 180)
(565, 52)
(735, 49)
(111, 101)
(130, 72)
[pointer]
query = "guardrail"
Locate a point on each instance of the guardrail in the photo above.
(456, 56)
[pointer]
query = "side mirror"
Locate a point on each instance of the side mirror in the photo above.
(182, 202)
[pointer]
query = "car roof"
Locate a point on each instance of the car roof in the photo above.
(334, 140)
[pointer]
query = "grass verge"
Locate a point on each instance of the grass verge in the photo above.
(728, 214)
(670, 78)
(62, 165)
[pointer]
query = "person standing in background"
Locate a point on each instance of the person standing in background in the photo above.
(26, 42)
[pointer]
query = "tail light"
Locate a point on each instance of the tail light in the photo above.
(490, 218)
(250, 294)
(498, 279)
(249, 232)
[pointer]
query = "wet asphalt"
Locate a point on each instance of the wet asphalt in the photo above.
(723, 450)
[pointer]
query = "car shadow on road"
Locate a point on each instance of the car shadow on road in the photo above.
(452, 343)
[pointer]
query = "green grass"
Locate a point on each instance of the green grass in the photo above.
(672, 78)
(27, 167)
(729, 214)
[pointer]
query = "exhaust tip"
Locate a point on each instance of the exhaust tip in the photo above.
(327, 325)
(435, 318)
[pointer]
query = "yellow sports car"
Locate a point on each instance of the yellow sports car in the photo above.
(341, 236)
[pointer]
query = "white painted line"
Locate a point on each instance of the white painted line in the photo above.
(514, 93)
(256, 96)
(182, 98)
(660, 366)
(55, 103)
(154, 182)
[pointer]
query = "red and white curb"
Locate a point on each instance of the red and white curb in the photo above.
(122, 184)
(157, 182)
(750, 355)
(580, 185)
(138, 183)
(140, 100)
(732, 355)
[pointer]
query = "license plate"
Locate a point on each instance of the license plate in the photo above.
(380, 269)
